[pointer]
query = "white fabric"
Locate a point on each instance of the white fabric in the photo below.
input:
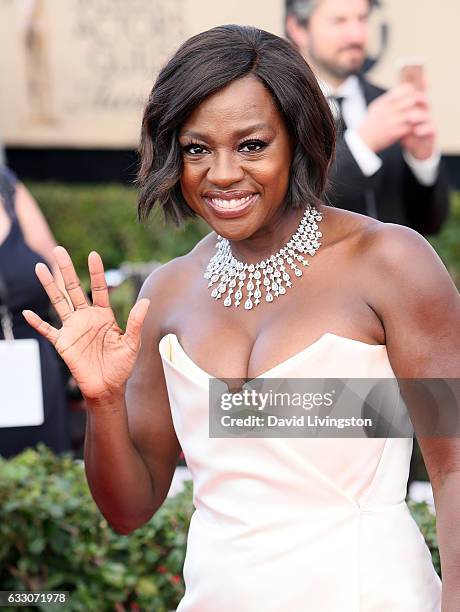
(354, 110)
(367, 160)
(21, 403)
(297, 524)
(425, 170)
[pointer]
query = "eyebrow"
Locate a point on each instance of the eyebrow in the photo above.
(238, 133)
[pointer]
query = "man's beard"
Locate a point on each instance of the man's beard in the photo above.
(334, 69)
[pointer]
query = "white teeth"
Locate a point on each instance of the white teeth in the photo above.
(233, 203)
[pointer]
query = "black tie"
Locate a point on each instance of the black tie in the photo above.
(339, 120)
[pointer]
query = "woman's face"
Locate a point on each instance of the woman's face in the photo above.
(237, 155)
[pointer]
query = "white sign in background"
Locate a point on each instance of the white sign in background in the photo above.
(21, 399)
(77, 73)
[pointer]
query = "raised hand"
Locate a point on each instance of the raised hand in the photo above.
(97, 352)
(392, 116)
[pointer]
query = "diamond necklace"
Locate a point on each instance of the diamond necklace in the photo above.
(272, 273)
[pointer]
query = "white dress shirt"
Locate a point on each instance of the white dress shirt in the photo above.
(354, 109)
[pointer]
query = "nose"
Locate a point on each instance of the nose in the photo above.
(225, 169)
(357, 32)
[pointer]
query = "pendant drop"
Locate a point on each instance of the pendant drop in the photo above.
(245, 281)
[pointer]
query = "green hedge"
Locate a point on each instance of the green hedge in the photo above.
(52, 537)
(103, 217)
(447, 243)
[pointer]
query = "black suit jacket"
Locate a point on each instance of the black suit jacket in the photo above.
(392, 194)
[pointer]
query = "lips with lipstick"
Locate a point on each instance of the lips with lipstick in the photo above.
(230, 203)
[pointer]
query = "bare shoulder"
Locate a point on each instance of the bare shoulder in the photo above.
(400, 251)
(379, 246)
(404, 274)
(390, 261)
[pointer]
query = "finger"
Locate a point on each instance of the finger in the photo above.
(423, 100)
(71, 280)
(412, 100)
(417, 117)
(135, 322)
(410, 117)
(99, 289)
(402, 127)
(57, 298)
(424, 130)
(400, 91)
(43, 328)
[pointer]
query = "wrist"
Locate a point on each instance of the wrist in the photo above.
(110, 401)
(367, 139)
(421, 155)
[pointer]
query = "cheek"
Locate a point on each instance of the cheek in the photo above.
(273, 175)
(328, 44)
(191, 177)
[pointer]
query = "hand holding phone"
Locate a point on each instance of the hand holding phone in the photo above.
(412, 71)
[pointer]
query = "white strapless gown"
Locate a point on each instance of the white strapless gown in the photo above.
(298, 524)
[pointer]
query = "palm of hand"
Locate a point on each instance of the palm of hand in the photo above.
(97, 352)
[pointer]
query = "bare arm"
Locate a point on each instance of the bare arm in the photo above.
(131, 448)
(420, 308)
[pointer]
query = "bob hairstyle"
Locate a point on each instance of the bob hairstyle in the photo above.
(203, 65)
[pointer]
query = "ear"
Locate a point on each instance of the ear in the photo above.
(296, 32)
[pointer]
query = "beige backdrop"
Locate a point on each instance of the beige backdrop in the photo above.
(76, 72)
(429, 29)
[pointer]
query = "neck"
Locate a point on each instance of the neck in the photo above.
(322, 73)
(334, 82)
(269, 238)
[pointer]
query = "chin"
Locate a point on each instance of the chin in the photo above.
(233, 231)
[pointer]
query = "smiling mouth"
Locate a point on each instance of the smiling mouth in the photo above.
(234, 203)
(226, 206)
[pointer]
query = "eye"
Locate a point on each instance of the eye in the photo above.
(194, 148)
(253, 146)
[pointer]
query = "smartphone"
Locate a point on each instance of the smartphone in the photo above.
(412, 70)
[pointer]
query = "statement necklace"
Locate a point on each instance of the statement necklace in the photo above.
(242, 281)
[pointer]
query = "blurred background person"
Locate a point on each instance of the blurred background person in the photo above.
(387, 163)
(25, 240)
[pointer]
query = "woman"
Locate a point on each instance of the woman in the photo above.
(26, 239)
(237, 132)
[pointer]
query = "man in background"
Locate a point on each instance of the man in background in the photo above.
(387, 162)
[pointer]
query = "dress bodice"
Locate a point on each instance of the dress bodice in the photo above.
(301, 523)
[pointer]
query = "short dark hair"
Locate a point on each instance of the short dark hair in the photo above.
(303, 9)
(203, 65)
